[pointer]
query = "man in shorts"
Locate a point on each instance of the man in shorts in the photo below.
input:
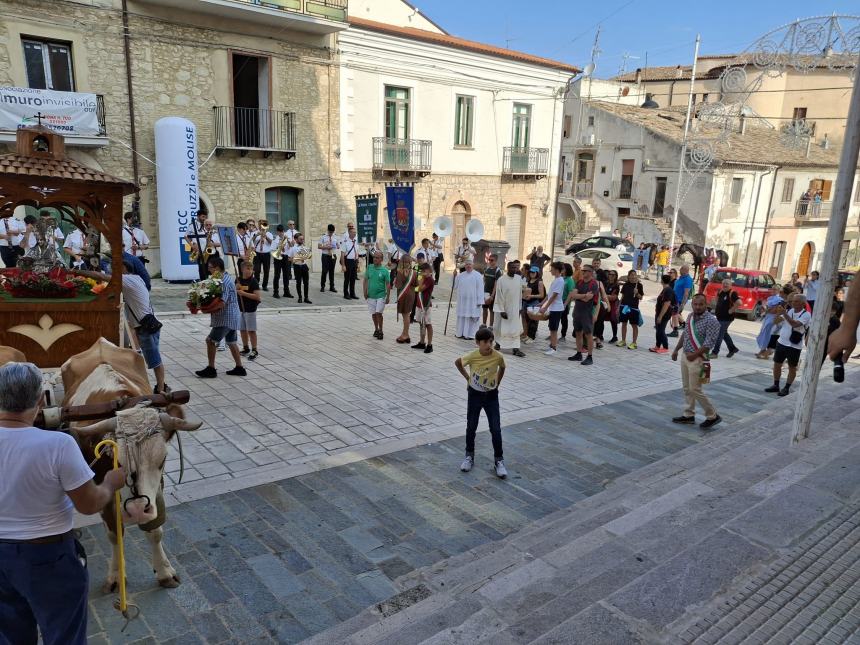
(377, 291)
(554, 303)
(424, 306)
(224, 323)
(795, 323)
(585, 297)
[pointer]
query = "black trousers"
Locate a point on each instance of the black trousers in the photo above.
(489, 403)
(349, 278)
(282, 268)
(328, 263)
(437, 266)
(262, 261)
(565, 319)
(9, 256)
(302, 275)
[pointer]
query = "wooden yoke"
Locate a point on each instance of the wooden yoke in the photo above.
(56, 417)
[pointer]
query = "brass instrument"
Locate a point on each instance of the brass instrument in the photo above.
(302, 254)
(208, 252)
(278, 253)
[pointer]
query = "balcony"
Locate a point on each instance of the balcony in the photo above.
(314, 16)
(85, 126)
(810, 211)
(525, 163)
(255, 130)
(623, 189)
(402, 156)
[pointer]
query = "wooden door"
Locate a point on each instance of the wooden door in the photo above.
(805, 259)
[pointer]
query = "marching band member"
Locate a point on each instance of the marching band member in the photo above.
(299, 256)
(244, 239)
(464, 254)
(328, 246)
(74, 246)
(349, 252)
(281, 259)
(291, 230)
(195, 236)
(11, 233)
(134, 240)
(438, 246)
(262, 242)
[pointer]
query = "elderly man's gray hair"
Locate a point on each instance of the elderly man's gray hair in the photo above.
(20, 387)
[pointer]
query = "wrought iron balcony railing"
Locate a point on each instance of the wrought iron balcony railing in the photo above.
(806, 210)
(623, 189)
(250, 129)
(525, 162)
(402, 155)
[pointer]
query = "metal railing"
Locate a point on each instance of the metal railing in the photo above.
(583, 189)
(807, 209)
(255, 129)
(525, 161)
(330, 9)
(623, 189)
(402, 155)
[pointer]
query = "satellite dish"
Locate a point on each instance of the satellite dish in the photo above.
(474, 230)
(443, 226)
(589, 70)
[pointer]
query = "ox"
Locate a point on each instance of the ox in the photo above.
(105, 373)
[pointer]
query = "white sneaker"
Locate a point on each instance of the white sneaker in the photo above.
(467, 464)
(501, 471)
(527, 341)
(551, 351)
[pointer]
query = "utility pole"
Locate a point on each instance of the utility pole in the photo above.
(829, 263)
(684, 150)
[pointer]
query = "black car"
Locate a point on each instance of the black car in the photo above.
(598, 241)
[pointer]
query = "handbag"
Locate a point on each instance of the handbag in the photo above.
(149, 324)
(796, 335)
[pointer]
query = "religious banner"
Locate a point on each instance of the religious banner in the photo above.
(229, 239)
(400, 204)
(366, 214)
(69, 113)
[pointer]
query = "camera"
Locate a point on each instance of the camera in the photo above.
(838, 370)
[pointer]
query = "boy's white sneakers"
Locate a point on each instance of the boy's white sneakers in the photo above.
(467, 464)
(501, 471)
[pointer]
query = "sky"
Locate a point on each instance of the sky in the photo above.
(664, 30)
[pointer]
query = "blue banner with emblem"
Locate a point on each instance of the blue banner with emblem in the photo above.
(366, 214)
(400, 204)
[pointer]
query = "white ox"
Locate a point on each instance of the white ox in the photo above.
(105, 373)
(10, 355)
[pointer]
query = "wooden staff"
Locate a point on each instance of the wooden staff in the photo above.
(450, 297)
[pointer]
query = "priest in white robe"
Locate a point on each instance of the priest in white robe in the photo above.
(507, 306)
(470, 300)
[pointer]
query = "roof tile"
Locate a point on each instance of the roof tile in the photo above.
(14, 164)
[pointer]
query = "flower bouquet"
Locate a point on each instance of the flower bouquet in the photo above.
(56, 283)
(205, 296)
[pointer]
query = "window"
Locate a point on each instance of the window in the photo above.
(566, 127)
(737, 189)
(602, 170)
(738, 279)
(766, 282)
(464, 119)
(799, 114)
(787, 189)
(522, 125)
(591, 120)
(778, 258)
(397, 106)
(49, 65)
(705, 97)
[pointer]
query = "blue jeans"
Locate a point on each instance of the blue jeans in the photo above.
(149, 347)
(724, 335)
(42, 584)
(489, 403)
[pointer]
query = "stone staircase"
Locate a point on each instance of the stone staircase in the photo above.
(648, 559)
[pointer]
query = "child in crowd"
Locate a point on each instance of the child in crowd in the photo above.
(423, 308)
(487, 368)
(248, 290)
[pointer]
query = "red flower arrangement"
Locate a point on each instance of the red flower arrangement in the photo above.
(56, 283)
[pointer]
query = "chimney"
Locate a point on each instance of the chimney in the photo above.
(742, 121)
(825, 143)
(638, 78)
(808, 146)
(678, 72)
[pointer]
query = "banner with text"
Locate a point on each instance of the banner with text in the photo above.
(69, 113)
(366, 216)
(400, 204)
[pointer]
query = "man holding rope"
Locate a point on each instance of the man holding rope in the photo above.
(43, 576)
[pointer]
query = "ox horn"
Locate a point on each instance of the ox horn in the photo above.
(170, 423)
(97, 429)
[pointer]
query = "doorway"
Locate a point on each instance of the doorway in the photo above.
(584, 174)
(803, 264)
(251, 127)
(461, 215)
(625, 190)
(659, 196)
(282, 206)
(514, 216)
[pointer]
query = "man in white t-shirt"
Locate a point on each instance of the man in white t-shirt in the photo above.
(74, 246)
(43, 581)
(554, 303)
(134, 239)
(792, 334)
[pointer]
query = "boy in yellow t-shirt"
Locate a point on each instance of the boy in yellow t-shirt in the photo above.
(661, 261)
(486, 370)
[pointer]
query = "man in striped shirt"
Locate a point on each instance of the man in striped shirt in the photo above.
(137, 307)
(223, 322)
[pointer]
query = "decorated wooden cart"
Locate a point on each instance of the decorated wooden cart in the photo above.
(46, 311)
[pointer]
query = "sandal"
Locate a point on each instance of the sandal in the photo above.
(403, 341)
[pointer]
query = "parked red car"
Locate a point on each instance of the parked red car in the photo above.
(754, 288)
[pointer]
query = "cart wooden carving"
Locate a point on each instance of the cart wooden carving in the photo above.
(51, 329)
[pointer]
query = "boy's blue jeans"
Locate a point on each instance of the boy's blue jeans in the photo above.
(489, 403)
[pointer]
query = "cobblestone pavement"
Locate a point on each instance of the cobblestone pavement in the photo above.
(282, 561)
(740, 538)
(324, 392)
